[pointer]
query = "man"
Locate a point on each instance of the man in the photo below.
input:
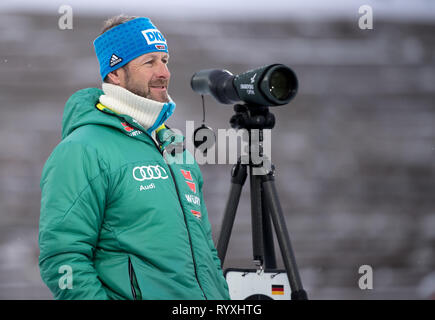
(119, 218)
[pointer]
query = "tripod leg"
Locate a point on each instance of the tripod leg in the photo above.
(238, 179)
(269, 248)
(262, 237)
(271, 195)
(256, 219)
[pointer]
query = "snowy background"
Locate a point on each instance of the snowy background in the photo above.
(354, 151)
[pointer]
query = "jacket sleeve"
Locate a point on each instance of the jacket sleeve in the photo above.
(73, 187)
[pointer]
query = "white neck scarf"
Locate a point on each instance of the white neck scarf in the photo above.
(143, 110)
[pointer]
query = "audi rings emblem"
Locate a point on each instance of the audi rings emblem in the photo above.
(149, 172)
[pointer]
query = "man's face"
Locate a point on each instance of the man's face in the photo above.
(148, 76)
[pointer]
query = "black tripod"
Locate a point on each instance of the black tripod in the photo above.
(264, 202)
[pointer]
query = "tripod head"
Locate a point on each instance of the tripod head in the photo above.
(252, 117)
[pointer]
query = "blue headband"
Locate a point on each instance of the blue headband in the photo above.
(127, 41)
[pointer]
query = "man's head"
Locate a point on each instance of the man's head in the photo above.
(133, 54)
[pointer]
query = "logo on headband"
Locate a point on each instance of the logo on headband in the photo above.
(153, 36)
(114, 60)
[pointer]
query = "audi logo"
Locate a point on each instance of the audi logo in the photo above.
(149, 172)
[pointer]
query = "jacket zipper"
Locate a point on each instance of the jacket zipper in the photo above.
(130, 274)
(184, 217)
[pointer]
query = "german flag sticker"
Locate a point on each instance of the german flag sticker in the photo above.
(277, 289)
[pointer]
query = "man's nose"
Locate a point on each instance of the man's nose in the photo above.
(162, 71)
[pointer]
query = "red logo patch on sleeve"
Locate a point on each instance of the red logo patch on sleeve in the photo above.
(196, 213)
(192, 186)
(186, 174)
(127, 127)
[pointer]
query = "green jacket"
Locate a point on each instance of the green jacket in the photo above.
(121, 215)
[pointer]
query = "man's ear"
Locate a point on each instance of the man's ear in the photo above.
(116, 76)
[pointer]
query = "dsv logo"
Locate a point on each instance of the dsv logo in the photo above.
(149, 172)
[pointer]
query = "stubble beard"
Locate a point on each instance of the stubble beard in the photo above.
(162, 97)
(146, 92)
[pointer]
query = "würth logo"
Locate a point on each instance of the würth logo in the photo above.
(114, 60)
(188, 176)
